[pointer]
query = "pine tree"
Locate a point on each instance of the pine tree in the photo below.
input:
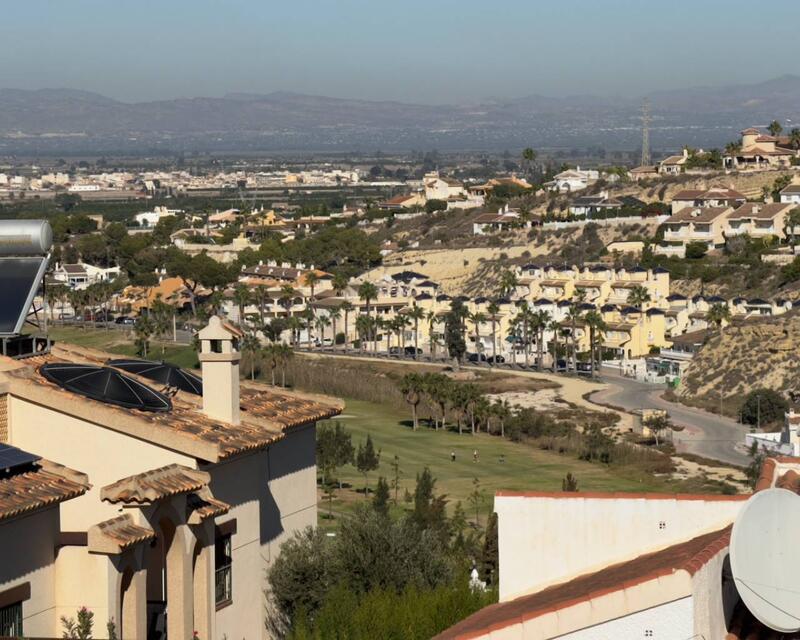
(380, 501)
(490, 553)
(367, 459)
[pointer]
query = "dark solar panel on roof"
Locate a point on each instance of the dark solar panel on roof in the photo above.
(106, 385)
(12, 458)
(163, 372)
(19, 280)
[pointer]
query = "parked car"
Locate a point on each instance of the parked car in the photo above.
(394, 351)
(125, 320)
(584, 368)
(413, 351)
(498, 359)
(476, 357)
(561, 365)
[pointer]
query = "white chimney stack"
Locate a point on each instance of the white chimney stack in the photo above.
(219, 362)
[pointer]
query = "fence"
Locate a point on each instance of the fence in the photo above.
(603, 222)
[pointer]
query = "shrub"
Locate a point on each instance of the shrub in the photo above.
(763, 406)
(696, 250)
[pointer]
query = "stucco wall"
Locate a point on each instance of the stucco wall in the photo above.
(671, 621)
(546, 540)
(285, 501)
(84, 580)
(103, 454)
(713, 601)
(28, 545)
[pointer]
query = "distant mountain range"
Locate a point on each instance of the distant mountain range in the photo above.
(64, 120)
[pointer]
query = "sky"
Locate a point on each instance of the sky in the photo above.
(440, 51)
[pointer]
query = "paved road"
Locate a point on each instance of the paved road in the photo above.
(706, 434)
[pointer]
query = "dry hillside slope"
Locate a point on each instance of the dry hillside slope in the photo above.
(748, 356)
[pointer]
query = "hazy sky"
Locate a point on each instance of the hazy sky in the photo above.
(435, 51)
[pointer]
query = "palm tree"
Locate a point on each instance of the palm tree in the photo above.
(502, 410)
(347, 308)
(368, 292)
(287, 298)
(493, 309)
(431, 318)
(539, 321)
(251, 346)
(555, 327)
(400, 322)
(794, 138)
(792, 222)
(415, 314)
(412, 387)
(719, 314)
(594, 320)
(574, 316)
(363, 328)
(241, 298)
(311, 279)
(775, 128)
(294, 324)
(322, 323)
(528, 157)
(260, 294)
(476, 319)
(638, 297)
(339, 283)
(508, 283)
(334, 314)
(284, 354)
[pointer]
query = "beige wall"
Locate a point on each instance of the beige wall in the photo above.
(591, 533)
(287, 472)
(28, 545)
(84, 579)
(105, 455)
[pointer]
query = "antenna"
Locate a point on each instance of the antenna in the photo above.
(646, 132)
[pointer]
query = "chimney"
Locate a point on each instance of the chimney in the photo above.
(219, 362)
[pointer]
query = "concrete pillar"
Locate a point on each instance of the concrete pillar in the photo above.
(133, 617)
(203, 583)
(180, 592)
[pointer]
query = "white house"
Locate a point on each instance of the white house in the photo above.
(791, 194)
(441, 188)
(151, 218)
(573, 180)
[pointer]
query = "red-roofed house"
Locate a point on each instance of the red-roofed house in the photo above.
(586, 566)
(758, 151)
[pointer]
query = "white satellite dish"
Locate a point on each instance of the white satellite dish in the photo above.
(765, 558)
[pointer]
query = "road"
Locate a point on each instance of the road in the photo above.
(706, 434)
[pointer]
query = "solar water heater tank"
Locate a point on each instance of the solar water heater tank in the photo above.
(25, 237)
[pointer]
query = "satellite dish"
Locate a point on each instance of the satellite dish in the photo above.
(765, 558)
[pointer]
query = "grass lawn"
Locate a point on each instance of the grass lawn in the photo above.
(524, 468)
(122, 342)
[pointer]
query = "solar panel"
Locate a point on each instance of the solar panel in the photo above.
(19, 281)
(159, 371)
(105, 385)
(13, 458)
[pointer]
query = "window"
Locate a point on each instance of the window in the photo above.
(223, 561)
(11, 620)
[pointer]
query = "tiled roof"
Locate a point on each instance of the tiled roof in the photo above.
(201, 506)
(154, 485)
(265, 413)
(760, 210)
(688, 556)
(118, 534)
(46, 484)
(697, 214)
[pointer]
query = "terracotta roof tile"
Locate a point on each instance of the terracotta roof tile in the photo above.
(265, 413)
(150, 486)
(118, 534)
(688, 556)
(201, 505)
(44, 485)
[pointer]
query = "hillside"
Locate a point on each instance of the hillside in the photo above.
(470, 270)
(701, 117)
(748, 356)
